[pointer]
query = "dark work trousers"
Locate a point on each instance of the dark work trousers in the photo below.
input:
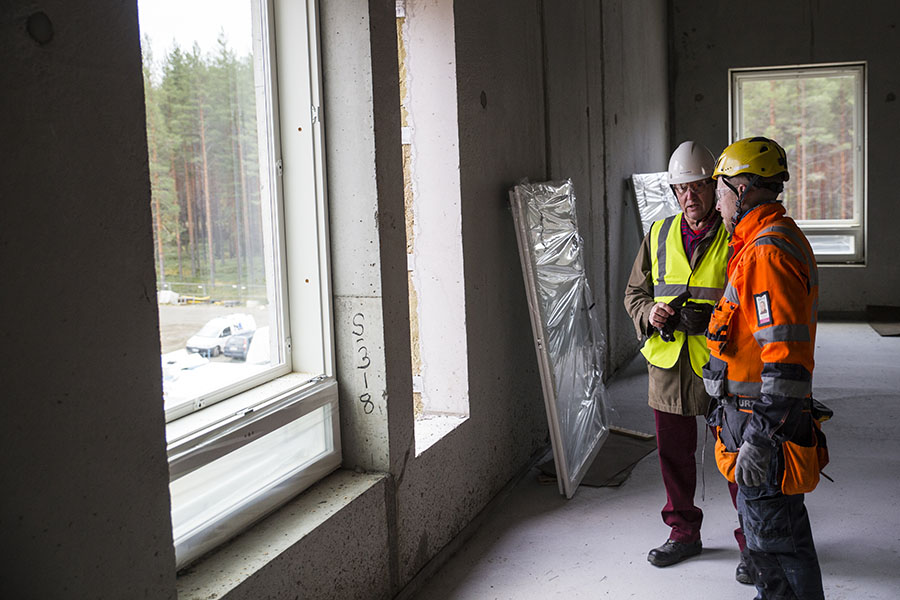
(780, 549)
(676, 441)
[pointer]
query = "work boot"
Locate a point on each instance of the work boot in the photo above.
(742, 573)
(673, 552)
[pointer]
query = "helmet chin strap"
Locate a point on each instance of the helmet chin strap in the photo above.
(738, 213)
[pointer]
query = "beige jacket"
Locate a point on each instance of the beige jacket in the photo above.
(677, 390)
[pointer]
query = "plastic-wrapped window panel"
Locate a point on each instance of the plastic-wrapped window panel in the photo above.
(568, 340)
(217, 501)
(654, 197)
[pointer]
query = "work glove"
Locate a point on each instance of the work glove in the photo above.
(752, 464)
(667, 332)
(695, 317)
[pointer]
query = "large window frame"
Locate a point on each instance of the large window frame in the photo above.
(820, 231)
(300, 391)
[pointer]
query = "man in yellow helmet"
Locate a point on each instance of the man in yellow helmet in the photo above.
(686, 252)
(762, 337)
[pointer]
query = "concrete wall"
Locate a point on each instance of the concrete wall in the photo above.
(636, 127)
(85, 503)
(607, 117)
(544, 90)
(710, 37)
(509, 125)
(500, 140)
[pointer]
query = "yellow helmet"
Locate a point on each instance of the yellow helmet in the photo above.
(753, 156)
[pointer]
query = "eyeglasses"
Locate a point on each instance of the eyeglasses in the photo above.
(694, 186)
(721, 192)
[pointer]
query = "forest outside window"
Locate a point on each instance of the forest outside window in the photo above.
(240, 244)
(818, 113)
(211, 209)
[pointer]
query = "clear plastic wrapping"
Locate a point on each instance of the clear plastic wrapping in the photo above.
(568, 339)
(654, 197)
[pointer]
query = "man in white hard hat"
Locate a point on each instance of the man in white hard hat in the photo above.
(677, 277)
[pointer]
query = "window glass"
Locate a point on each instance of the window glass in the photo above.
(239, 215)
(817, 113)
(213, 244)
(832, 244)
(263, 466)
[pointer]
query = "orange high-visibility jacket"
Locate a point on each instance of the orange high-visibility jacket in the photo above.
(762, 333)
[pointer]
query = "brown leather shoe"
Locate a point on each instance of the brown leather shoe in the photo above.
(673, 552)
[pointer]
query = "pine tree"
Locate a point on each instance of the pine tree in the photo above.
(164, 203)
(202, 143)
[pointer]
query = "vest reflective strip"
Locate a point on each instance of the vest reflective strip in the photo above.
(782, 333)
(786, 379)
(697, 292)
(731, 294)
(720, 388)
(745, 388)
(705, 293)
(661, 249)
(714, 377)
(785, 246)
(785, 387)
(708, 278)
(714, 387)
(663, 290)
(798, 251)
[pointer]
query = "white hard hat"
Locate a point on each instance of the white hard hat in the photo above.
(691, 161)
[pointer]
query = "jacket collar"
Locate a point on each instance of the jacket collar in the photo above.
(756, 219)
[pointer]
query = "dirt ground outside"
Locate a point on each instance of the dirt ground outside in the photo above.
(178, 322)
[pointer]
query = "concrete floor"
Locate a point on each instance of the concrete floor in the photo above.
(535, 544)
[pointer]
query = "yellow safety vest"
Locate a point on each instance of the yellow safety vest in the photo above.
(672, 275)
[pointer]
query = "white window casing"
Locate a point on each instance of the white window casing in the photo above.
(237, 454)
(834, 146)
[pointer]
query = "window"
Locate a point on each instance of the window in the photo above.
(241, 257)
(818, 113)
(427, 69)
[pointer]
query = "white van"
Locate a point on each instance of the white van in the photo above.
(210, 340)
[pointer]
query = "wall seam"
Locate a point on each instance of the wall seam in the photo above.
(672, 72)
(391, 237)
(544, 92)
(590, 146)
(393, 541)
(606, 270)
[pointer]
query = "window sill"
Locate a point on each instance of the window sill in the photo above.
(227, 567)
(823, 265)
(430, 429)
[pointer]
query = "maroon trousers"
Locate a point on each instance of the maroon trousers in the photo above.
(676, 440)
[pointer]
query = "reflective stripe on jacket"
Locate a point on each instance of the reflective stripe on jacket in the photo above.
(671, 273)
(763, 330)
